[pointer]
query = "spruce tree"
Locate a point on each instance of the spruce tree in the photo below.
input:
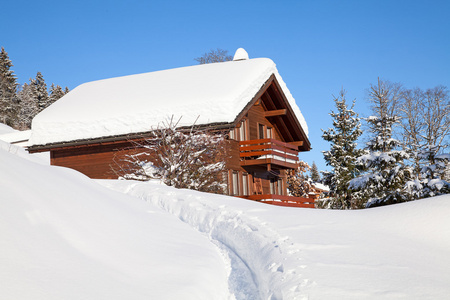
(315, 176)
(40, 91)
(342, 154)
(28, 107)
(386, 177)
(8, 89)
(56, 92)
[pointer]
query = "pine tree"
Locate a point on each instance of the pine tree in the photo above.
(56, 92)
(8, 89)
(315, 175)
(28, 107)
(386, 177)
(40, 91)
(342, 154)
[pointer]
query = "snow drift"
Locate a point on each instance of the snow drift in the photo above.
(64, 236)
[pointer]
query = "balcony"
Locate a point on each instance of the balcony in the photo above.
(281, 200)
(268, 152)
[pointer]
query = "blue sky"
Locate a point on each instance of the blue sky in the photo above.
(318, 46)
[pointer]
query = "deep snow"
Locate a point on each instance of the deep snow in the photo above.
(64, 236)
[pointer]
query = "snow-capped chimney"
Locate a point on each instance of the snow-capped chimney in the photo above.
(240, 54)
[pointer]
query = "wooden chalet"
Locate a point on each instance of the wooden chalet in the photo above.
(247, 98)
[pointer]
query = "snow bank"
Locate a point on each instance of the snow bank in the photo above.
(5, 129)
(213, 93)
(63, 236)
(17, 137)
(19, 151)
(12, 136)
(394, 252)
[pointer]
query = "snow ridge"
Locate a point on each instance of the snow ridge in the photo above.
(261, 276)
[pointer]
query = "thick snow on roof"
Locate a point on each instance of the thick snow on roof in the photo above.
(240, 54)
(213, 93)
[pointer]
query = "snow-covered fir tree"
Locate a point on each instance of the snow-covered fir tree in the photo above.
(432, 181)
(18, 107)
(315, 175)
(8, 89)
(342, 154)
(28, 107)
(386, 174)
(56, 92)
(40, 92)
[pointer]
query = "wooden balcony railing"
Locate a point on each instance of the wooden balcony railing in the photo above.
(268, 152)
(281, 200)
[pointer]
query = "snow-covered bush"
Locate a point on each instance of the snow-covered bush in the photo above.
(297, 183)
(190, 158)
(431, 181)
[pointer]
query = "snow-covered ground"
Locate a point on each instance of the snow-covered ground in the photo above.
(65, 236)
(5, 129)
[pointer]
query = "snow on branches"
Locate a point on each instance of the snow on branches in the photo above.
(342, 154)
(432, 179)
(297, 182)
(386, 173)
(189, 158)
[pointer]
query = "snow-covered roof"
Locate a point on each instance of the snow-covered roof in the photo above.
(213, 93)
(321, 186)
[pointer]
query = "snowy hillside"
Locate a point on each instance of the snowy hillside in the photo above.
(64, 236)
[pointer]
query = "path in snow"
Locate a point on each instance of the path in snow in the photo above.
(258, 255)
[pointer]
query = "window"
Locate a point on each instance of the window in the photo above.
(232, 134)
(276, 186)
(245, 184)
(239, 133)
(235, 183)
(243, 130)
(261, 131)
(272, 185)
(280, 186)
(269, 133)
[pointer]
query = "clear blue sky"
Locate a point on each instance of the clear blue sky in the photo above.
(318, 46)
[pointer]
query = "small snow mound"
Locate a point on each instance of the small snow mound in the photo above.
(240, 54)
(5, 129)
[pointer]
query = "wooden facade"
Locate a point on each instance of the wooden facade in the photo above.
(264, 145)
(264, 142)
